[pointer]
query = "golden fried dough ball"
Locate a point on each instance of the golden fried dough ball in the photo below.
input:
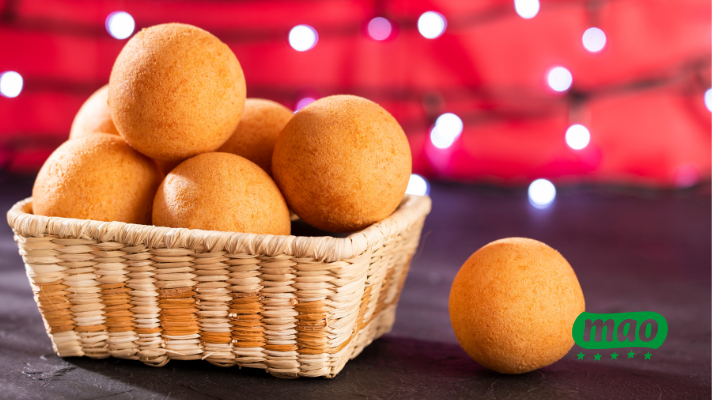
(222, 192)
(258, 131)
(97, 177)
(342, 163)
(94, 116)
(513, 305)
(176, 91)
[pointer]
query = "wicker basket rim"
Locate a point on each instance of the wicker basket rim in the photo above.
(323, 248)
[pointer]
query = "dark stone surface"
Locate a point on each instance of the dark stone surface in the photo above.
(632, 250)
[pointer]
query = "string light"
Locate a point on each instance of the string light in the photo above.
(527, 9)
(303, 38)
(578, 137)
(120, 24)
(594, 40)
(559, 79)
(708, 99)
(417, 185)
(379, 28)
(431, 24)
(10, 84)
(541, 193)
(448, 127)
(303, 103)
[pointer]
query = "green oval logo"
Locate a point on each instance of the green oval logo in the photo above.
(614, 331)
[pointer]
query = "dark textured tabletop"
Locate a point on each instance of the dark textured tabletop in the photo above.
(633, 250)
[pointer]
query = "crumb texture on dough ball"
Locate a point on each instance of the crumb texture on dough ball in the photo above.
(257, 132)
(221, 192)
(176, 91)
(342, 163)
(94, 116)
(513, 305)
(97, 177)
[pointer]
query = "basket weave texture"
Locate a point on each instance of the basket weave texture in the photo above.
(294, 306)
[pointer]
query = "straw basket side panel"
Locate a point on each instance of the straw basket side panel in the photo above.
(245, 310)
(377, 315)
(348, 279)
(277, 276)
(314, 281)
(46, 276)
(213, 298)
(381, 269)
(386, 299)
(143, 296)
(195, 299)
(408, 245)
(85, 294)
(314, 286)
(111, 273)
(175, 282)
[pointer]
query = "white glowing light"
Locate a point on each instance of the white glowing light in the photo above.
(379, 28)
(120, 24)
(708, 99)
(594, 40)
(559, 79)
(303, 103)
(431, 24)
(303, 38)
(527, 9)
(10, 84)
(541, 193)
(440, 139)
(448, 127)
(417, 185)
(451, 123)
(577, 137)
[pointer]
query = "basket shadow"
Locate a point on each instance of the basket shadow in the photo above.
(388, 368)
(386, 364)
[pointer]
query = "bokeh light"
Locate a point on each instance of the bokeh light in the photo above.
(448, 127)
(527, 9)
(541, 193)
(594, 40)
(417, 185)
(379, 28)
(303, 38)
(708, 99)
(431, 24)
(685, 175)
(10, 84)
(303, 102)
(120, 24)
(451, 123)
(578, 137)
(559, 79)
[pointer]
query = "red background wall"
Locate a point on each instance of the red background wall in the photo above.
(641, 97)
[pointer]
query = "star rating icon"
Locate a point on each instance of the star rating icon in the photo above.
(614, 356)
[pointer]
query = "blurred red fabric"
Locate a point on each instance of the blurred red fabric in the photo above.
(642, 96)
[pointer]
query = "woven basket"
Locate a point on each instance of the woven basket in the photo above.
(294, 306)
